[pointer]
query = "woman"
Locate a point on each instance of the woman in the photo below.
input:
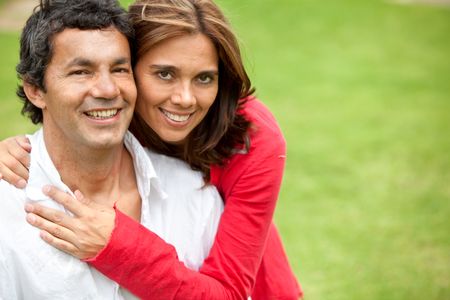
(195, 104)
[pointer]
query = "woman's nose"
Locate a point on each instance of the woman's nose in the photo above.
(184, 95)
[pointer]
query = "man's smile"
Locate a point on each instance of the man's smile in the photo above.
(102, 114)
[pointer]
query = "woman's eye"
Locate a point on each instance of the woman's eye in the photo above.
(165, 75)
(205, 79)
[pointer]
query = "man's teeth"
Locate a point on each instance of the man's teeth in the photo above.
(176, 118)
(102, 114)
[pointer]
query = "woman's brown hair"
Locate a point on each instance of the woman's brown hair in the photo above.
(223, 129)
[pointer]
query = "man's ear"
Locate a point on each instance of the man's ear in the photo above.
(34, 94)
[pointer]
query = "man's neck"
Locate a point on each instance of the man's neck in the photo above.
(101, 174)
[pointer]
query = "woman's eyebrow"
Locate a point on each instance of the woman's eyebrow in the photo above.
(157, 66)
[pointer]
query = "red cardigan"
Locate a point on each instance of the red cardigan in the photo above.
(247, 257)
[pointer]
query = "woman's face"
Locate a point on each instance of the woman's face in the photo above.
(177, 82)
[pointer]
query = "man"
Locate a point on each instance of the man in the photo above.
(75, 65)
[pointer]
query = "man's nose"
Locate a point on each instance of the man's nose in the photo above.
(105, 87)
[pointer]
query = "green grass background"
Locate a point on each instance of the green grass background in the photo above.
(362, 92)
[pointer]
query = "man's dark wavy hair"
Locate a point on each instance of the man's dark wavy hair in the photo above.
(51, 17)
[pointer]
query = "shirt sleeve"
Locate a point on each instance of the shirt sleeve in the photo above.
(140, 261)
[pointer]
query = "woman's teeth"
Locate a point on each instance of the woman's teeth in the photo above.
(174, 117)
(102, 114)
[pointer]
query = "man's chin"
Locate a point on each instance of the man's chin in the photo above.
(105, 141)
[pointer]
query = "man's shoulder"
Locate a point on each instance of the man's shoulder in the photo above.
(8, 192)
(12, 202)
(135, 148)
(36, 137)
(175, 173)
(12, 199)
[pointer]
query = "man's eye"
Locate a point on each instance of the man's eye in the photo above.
(165, 75)
(79, 72)
(122, 70)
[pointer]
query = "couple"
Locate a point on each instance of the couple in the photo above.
(142, 211)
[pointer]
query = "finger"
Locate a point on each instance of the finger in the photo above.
(60, 244)
(55, 230)
(23, 142)
(66, 200)
(50, 215)
(80, 197)
(14, 161)
(22, 152)
(11, 177)
(18, 150)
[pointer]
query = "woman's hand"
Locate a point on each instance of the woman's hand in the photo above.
(15, 160)
(84, 234)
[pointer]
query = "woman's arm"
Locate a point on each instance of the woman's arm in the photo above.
(143, 263)
(146, 265)
(14, 160)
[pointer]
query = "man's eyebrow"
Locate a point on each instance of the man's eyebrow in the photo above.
(78, 61)
(122, 61)
(84, 62)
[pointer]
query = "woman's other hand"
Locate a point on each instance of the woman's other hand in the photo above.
(84, 235)
(15, 160)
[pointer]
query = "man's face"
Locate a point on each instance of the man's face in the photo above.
(90, 90)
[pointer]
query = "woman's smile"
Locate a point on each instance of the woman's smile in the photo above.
(176, 87)
(176, 117)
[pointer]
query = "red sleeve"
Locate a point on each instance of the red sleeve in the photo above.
(143, 263)
(250, 185)
(147, 266)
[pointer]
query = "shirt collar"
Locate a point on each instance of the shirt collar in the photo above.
(43, 171)
(143, 167)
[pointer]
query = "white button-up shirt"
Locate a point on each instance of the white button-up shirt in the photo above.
(175, 205)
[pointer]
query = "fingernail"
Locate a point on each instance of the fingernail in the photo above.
(79, 196)
(28, 146)
(46, 189)
(28, 207)
(21, 184)
(31, 218)
(45, 236)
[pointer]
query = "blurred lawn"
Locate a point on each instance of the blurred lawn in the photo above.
(362, 92)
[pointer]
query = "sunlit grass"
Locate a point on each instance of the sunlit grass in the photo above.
(361, 90)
